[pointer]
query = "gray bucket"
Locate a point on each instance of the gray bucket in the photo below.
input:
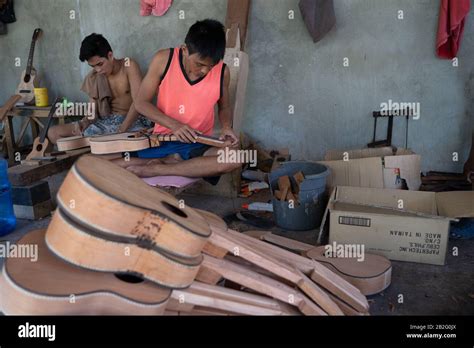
(312, 197)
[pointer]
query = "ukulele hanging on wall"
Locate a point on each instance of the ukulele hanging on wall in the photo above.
(29, 78)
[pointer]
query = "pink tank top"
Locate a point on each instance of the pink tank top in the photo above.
(189, 102)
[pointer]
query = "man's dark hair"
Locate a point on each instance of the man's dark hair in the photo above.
(94, 45)
(206, 38)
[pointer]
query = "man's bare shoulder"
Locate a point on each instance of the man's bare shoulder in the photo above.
(160, 59)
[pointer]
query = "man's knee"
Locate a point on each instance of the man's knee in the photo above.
(225, 168)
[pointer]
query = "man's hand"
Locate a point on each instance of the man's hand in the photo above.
(228, 134)
(184, 133)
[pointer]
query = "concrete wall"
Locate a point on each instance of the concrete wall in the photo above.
(389, 58)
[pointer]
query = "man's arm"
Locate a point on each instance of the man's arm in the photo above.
(147, 91)
(135, 78)
(225, 111)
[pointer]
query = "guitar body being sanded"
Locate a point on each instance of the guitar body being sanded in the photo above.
(51, 286)
(370, 276)
(129, 142)
(72, 143)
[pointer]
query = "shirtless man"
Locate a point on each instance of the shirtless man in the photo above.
(116, 113)
(190, 80)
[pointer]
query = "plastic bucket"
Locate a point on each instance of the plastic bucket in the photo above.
(312, 197)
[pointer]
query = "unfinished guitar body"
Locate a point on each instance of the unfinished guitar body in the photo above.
(89, 249)
(51, 286)
(26, 87)
(129, 142)
(102, 197)
(370, 276)
(72, 143)
(39, 148)
(122, 142)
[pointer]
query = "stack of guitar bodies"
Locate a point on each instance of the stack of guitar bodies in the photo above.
(117, 246)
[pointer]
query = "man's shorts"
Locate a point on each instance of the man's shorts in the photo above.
(112, 123)
(185, 150)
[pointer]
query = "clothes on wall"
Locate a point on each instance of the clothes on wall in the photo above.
(154, 7)
(7, 15)
(319, 17)
(452, 17)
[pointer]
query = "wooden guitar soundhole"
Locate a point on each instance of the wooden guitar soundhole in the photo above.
(174, 210)
(39, 147)
(129, 278)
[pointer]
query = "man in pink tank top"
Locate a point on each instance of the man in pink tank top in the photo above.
(188, 82)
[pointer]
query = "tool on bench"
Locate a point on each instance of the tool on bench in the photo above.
(390, 114)
(41, 143)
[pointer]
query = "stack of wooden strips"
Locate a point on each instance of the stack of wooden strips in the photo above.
(271, 281)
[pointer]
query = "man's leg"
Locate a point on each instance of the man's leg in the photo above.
(135, 161)
(62, 131)
(198, 167)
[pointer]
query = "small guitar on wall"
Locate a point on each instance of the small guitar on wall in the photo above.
(28, 77)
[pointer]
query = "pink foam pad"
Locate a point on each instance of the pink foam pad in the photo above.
(173, 181)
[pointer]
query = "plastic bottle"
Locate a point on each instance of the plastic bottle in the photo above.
(258, 206)
(7, 216)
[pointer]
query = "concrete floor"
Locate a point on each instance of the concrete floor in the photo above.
(426, 289)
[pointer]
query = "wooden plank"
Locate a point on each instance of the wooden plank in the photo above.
(244, 297)
(284, 185)
(317, 272)
(281, 241)
(208, 276)
(23, 175)
(247, 277)
(10, 103)
(237, 17)
(224, 299)
(228, 242)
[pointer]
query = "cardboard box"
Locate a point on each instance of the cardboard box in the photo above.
(417, 232)
(376, 168)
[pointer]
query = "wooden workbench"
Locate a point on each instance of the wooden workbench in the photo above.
(31, 116)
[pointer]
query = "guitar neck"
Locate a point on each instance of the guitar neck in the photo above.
(52, 111)
(202, 139)
(29, 66)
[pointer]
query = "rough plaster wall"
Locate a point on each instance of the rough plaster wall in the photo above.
(389, 59)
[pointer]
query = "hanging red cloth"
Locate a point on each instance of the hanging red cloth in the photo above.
(154, 7)
(452, 16)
